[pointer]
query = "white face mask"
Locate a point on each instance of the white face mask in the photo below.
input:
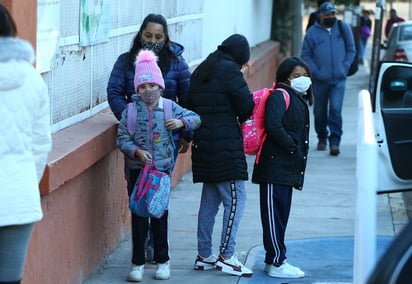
(300, 84)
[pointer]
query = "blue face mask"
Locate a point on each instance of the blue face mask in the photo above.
(153, 46)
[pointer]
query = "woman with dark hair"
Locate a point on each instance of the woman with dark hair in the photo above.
(221, 96)
(153, 35)
(25, 142)
(282, 161)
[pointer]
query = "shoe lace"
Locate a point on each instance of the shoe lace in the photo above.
(235, 261)
(137, 267)
(162, 266)
(291, 267)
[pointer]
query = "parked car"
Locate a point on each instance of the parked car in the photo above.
(392, 118)
(398, 47)
(392, 115)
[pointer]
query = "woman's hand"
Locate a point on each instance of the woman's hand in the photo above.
(184, 145)
(143, 156)
(173, 124)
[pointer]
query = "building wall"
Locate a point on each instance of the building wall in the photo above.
(198, 25)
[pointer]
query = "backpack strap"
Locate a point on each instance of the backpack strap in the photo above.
(285, 96)
(344, 35)
(131, 117)
(287, 101)
(167, 108)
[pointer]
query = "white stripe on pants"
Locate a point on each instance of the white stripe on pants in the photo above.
(275, 203)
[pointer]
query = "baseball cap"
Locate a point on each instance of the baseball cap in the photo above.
(327, 8)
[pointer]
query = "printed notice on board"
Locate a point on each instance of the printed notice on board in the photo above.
(94, 22)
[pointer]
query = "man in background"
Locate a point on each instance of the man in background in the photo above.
(314, 16)
(329, 54)
(393, 18)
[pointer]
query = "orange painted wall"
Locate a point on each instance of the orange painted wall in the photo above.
(83, 222)
(84, 197)
(24, 13)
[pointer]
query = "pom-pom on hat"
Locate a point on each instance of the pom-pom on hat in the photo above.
(147, 71)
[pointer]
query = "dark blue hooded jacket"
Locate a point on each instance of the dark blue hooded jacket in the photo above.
(326, 53)
(120, 87)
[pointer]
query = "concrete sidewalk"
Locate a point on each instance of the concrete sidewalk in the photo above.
(319, 234)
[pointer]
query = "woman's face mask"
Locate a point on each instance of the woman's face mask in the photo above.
(150, 96)
(153, 46)
(300, 84)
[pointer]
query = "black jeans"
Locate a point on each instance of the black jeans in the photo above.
(140, 227)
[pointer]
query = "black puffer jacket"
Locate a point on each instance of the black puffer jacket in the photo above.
(222, 102)
(284, 152)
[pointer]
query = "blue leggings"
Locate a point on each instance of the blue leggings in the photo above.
(14, 241)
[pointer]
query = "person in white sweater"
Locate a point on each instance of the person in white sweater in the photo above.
(25, 142)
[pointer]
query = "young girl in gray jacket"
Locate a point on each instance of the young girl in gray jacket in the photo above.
(152, 140)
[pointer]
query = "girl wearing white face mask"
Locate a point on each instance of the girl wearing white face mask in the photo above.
(282, 161)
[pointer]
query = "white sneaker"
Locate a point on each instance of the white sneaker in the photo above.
(136, 273)
(233, 267)
(286, 270)
(207, 263)
(162, 271)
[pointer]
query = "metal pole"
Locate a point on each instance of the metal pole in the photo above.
(297, 33)
(376, 47)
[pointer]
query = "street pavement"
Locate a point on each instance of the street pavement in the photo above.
(320, 233)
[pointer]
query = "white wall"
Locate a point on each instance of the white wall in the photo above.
(77, 77)
(252, 18)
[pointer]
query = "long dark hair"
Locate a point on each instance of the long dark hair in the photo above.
(7, 25)
(286, 68)
(165, 55)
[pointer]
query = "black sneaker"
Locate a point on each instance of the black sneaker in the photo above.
(334, 150)
(321, 145)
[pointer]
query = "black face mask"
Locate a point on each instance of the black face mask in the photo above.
(153, 46)
(329, 22)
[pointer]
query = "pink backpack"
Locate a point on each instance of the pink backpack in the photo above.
(254, 128)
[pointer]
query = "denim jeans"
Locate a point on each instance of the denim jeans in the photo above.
(362, 46)
(328, 110)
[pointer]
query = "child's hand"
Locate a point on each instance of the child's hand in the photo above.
(173, 124)
(143, 155)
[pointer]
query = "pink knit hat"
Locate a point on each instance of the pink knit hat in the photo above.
(147, 71)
